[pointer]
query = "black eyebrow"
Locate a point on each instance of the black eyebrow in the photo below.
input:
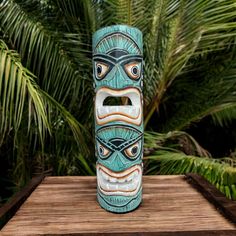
(122, 146)
(104, 57)
(130, 142)
(110, 146)
(114, 60)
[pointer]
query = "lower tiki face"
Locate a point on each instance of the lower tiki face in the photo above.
(119, 167)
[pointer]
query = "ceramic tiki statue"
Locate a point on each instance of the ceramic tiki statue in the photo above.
(118, 74)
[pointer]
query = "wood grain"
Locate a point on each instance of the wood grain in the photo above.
(212, 194)
(9, 209)
(68, 206)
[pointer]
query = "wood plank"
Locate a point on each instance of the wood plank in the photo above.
(9, 209)
(68, 206)
(210, 192)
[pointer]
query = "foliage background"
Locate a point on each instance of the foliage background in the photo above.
(46, 93)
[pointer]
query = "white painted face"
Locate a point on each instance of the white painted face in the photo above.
(131, 114)
(124, 183)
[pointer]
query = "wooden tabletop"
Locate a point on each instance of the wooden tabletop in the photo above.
(68, 206)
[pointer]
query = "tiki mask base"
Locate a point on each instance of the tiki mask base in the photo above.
(119, 205)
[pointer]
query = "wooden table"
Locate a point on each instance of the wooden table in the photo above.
(171, 206)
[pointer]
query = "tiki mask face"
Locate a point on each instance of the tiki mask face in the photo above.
(117, 68)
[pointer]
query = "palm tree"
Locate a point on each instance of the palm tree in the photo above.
(46, 81)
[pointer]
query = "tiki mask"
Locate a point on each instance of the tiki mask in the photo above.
(117, 69)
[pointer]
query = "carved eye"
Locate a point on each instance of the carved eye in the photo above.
(132, 151)
(133, 70)
(101, 69)
(103, 152)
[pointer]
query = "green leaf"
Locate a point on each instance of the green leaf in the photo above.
(192, 28)
(48, 49)
(219, 174)
(208, 90)
(18, 88)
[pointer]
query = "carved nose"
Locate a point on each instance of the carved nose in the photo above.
(119, 79)
(117, 163)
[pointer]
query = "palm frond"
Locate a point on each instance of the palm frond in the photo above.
(48, 50)
(61, 114)
(79, 16)
(225, 116)
(193, 28)
(18, 88)
(105, 12)
(222, 175)
(207, 90)
(175, 141)
(129, 12)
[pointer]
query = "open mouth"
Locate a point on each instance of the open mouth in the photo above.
(128, 113)
(125, 183)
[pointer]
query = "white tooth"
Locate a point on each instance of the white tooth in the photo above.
(98, 111)
(132, 186)
(107, 110)
(112, 109)
(102, 177)
(108, 187)
(112, 180)
(121, 180)
(112, 187)
(101, 111)
(129, 178)
(105, 176)
(129, 112)
(127, 188)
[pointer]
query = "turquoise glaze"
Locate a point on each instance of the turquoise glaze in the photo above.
(118, 72)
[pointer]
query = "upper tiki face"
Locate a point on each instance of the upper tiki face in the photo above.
(118, 66)
(117, 57)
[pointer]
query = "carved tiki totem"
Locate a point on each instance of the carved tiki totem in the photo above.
(117, 69)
